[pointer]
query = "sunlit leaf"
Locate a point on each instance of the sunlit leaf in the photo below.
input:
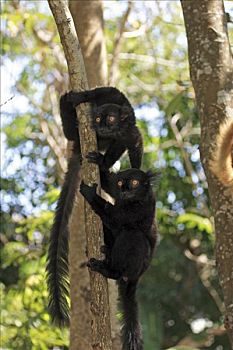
(193, 220)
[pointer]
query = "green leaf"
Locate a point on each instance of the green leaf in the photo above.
(17, 130)
(193, 220)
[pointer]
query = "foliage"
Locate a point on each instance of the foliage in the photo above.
(182, 348)
(25, 321)
(181, 288)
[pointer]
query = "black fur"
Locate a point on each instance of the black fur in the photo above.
(113, 139)
(131, 243)
(57, 261)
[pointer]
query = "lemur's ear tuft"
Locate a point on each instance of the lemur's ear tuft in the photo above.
(94, 108)
(153, 178)
(125, 112)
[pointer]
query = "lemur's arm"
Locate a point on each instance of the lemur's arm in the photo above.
(135, 148)
(103, 268)
(100, 206)
(99, 96)
(69, 119)
(106, 161)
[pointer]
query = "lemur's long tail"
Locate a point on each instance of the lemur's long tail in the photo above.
(222, 162)
(131, 333)
(57, 260)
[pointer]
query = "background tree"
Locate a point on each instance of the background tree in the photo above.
(211, 70)
(89, 24)
(180, 297)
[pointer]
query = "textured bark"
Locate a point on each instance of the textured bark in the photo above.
(99, 322)
(89, 23)
(211, 71)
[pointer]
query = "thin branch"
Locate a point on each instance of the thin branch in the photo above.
(173, 121)
(117, 46)
(149, 59)
(204, 268)
(54, 105)
(188, 165)
(54, 138)
(8, 100)
(53, 144)
(135, 33)
(142, 85)
(205, 341)
(168, 22)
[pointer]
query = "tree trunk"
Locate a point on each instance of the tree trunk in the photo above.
(100, 320)
(211, 72)
(89, 24)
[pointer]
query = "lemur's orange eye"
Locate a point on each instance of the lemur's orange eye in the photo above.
(97, 119)
(134, 183)
(111, 118)
(119, 183)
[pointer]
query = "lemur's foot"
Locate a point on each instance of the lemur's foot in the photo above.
(94, 264)
(95, 157)
(103, 249)
(88, 192)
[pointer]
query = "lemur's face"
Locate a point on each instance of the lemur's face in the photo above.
(132, 184)
(108, 119)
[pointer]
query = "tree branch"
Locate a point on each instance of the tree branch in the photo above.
(204, 268)
(117, 46)
(89, 24)
(8, 100)
(187, 162)
(52, 135)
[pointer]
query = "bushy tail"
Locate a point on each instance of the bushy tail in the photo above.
(57, 260)
(221, 164)
(131, 333)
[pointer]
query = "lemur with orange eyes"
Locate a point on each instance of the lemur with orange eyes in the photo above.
(114, 121)
(130, 237)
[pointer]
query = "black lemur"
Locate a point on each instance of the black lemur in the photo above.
(130, 223)
(113, 119)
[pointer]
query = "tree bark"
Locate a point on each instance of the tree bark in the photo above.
(89, 24)
(90, 223)
(211, 71)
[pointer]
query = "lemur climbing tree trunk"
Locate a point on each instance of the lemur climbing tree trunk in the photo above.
(211, 71)
(98, 319)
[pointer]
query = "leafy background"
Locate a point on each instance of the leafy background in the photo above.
(180, 298)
